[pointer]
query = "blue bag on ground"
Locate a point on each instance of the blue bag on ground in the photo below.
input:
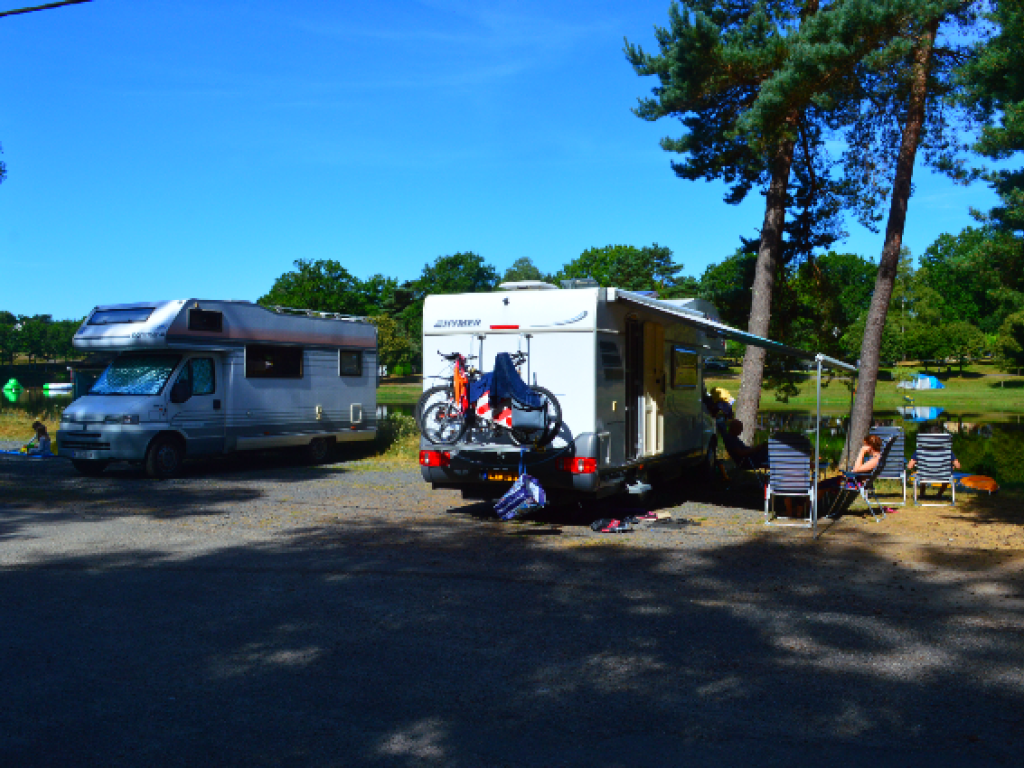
(524, 495)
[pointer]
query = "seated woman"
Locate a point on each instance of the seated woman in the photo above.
(739, 451)
(869, 455)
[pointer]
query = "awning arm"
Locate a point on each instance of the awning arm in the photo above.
(834, 363)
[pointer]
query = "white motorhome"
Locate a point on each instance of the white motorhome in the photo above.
(196, 378)
(626, 367)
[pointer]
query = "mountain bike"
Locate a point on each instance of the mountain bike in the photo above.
(445, 413)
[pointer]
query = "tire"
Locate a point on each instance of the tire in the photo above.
(319, 450)
(433, 395)
(442, 424)
(554, 420)
(89, 468)
(164, 458)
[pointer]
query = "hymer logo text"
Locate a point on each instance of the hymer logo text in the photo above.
(456, 323)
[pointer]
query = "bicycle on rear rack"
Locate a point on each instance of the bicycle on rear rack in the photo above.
(445, 413)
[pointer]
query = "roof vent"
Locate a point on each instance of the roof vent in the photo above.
(527, 285)
(580, 282)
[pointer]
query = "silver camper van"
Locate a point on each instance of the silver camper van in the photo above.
(194, 377)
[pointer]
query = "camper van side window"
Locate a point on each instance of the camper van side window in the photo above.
(684, 368)
(611, 361)
(203, 381)
(205, 320)
(267, 362)
(350, 363)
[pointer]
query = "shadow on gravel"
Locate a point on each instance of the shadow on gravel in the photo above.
(53, 491)
(440, 643)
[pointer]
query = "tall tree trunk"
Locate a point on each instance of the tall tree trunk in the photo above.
(870, 349)
(764, 279)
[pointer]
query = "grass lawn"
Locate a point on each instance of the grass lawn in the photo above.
(974, 393)
(399, 393)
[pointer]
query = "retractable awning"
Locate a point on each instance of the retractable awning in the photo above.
(715, 328)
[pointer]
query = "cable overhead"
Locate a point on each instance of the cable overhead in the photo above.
(42, 7)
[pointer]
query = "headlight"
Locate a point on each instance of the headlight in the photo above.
(123, 419)
(66, 417)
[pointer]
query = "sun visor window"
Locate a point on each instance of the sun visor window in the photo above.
(119, 316)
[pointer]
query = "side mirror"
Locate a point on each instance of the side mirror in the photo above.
(180, 392)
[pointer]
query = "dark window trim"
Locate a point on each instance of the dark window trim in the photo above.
(358, 352)
(302, 362)
(208, 312)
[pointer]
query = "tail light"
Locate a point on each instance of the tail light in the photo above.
(578, 466)
(435, 458)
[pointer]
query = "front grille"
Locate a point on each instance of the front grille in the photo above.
(85, 445)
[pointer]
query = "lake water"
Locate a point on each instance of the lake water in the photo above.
(986, 444)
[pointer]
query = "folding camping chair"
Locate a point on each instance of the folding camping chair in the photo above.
(935, 465)
(864, 482)
(894, 464)
(790, 474)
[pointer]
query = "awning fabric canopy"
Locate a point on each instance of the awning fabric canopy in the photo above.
(720, 329)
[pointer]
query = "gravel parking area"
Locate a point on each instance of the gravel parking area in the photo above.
(261, 612)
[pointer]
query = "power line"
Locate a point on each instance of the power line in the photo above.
(42, 7)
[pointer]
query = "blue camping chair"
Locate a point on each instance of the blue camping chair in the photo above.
(790, 456)
(894, 463)
(934, 458)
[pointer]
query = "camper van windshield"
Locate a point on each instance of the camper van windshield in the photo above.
(136, 375)
(117, 316)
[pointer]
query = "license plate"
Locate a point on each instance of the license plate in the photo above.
(501, 477)
(86, 455)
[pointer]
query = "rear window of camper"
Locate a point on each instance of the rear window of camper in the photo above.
(205, 320)
(611, 361)
(350, 363)
(267, 362)
(118, 316)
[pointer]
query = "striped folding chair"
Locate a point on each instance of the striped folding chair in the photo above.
(864, 482)
(935, 465)
(789, 473)
(894, 464)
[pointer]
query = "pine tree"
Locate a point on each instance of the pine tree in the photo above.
(715, 57)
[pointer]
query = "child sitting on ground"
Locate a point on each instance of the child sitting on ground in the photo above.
(40, 444)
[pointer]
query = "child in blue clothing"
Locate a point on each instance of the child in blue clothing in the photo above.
(40, 444)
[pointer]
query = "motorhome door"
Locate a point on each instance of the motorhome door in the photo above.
(195, 404)
(654, 389)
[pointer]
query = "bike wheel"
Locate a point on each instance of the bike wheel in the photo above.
(553, 418)
(433, 395)
(442, 424)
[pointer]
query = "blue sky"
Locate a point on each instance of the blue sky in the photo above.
(174, 149)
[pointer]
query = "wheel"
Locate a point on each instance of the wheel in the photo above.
(319, 450)
(553, 418)
(164, 458)
(91, 468)
(442, 424)
(433, 395)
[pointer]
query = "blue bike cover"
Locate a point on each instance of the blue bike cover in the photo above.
(506, 383)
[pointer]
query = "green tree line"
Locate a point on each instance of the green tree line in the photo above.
(37, 337)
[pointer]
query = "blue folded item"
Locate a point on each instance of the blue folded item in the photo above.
(46, 455)
(506, 383)
(524, 495)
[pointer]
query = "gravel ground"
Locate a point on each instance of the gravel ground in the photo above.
(260, 612)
